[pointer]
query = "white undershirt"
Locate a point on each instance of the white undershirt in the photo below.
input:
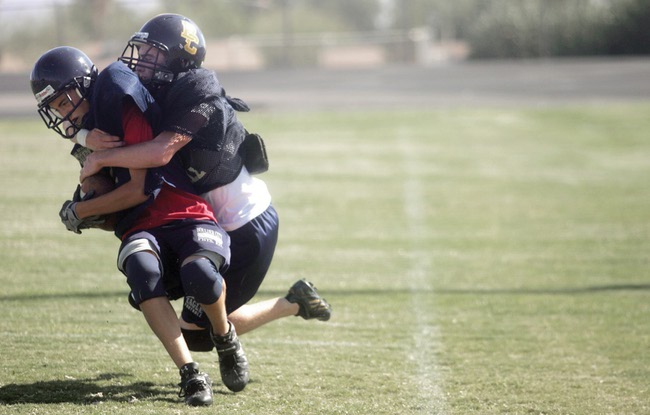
(237, 203)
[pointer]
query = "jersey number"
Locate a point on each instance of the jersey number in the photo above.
(189, 34)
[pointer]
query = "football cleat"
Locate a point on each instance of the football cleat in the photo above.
(233, 364)
(196, 387)
(311, 304)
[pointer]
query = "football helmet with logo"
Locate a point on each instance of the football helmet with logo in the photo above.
(62, 70)
(165, 46)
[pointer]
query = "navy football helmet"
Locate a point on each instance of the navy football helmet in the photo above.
(58, 71)
(165, 46)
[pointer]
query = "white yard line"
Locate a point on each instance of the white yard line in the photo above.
(426, 337)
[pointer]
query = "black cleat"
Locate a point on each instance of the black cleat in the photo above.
(232, 360)
(196, 387)
(312, 305)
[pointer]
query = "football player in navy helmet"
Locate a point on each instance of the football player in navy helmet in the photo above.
(171, 243)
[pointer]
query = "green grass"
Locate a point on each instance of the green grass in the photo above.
(478, 261)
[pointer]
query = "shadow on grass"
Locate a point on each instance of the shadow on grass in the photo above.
(59, 296)
(274, 293)
(83, 391)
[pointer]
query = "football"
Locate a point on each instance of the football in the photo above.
(101, 184)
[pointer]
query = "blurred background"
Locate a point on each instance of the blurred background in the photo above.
(327, 42)
(256, 34)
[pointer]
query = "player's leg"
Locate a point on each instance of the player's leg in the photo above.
(252, 247)
(139, 259)
(204, 250)
(302, 300)
(202, 280)
(143, 275)
(251, 316)
(251, 251)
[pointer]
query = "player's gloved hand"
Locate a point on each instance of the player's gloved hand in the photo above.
(69, 217)
(72, 222)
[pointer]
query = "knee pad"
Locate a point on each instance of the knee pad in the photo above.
(198, 340)
(133, 303)
(202, 281)
(144, 276)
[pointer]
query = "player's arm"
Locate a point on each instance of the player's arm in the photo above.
(136, 129)
(128, 195)
(181, 127)
(154, 153)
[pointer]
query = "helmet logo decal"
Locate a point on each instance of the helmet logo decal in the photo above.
(47, 92)
(189, 34)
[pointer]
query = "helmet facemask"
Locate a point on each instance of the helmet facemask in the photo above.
(148, 61)
(64, 123)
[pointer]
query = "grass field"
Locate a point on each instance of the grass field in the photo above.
(490, 261)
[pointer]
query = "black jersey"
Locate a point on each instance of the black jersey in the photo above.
(196, 105)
